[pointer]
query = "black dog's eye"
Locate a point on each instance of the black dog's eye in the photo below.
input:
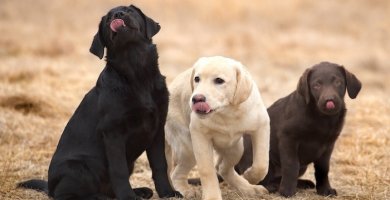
(219, 81)
(196, 79)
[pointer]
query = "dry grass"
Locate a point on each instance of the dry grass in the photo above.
(46, 69)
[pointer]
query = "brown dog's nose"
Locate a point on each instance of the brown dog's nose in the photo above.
(198, 98)
(119, 14)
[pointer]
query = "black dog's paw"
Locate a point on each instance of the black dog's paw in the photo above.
(194, 181)
(171, 194)
(287, 192)
(305, 184)
(327, 192)
(143, 192)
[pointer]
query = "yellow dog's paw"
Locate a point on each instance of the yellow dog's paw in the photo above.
(254, 191)
(190, 193)
(255, 175)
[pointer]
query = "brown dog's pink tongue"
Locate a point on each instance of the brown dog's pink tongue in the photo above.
(201, 107)
(116, 23)
(330, 105)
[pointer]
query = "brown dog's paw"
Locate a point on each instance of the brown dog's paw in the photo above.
(305, 184)
(327, 192)
(287, 192)
(272, 188)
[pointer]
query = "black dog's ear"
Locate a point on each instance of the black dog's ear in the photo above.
(353, 84)
(97, 46)
(303, 86)
(152, 27)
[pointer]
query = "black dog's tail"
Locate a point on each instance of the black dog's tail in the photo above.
(35, 184)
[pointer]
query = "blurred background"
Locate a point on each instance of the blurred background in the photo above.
(46, 68)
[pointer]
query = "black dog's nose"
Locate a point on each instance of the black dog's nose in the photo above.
(119, 14)
(198, 98)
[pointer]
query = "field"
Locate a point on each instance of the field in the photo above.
(46, 68)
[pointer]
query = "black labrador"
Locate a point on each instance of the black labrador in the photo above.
(118, 119)
(304, 129)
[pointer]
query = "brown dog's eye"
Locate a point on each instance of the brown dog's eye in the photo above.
(317, 86)
(196, 79)
(337, 83)
(219, 81)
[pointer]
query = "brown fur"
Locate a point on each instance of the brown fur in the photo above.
(304, 131)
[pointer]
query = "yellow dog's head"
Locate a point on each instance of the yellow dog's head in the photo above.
(218, 82)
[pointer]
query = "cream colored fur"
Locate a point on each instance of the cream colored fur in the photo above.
(191, 138)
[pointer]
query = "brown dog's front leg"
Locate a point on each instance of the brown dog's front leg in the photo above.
(117, 165)
(290, 167)
(321, 167)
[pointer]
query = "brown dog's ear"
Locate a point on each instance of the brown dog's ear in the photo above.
(353, 84)
(303, 85)
(243, 87)
(97, 46)
(152, 27)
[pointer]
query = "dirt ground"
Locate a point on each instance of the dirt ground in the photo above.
(46, 68)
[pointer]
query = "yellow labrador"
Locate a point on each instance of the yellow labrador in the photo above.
(211, 106)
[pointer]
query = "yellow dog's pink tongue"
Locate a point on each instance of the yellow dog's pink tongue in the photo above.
(201, 107)
(116, 24)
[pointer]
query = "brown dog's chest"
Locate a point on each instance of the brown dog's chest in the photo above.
(316, 139)
(311, 151)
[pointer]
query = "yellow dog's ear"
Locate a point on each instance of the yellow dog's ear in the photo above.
(192, 79)
(243, 86)
(199, 62)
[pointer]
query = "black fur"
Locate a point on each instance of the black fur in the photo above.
(304, 131)
(118, 119)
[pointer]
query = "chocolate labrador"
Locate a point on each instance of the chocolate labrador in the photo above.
(304, 128)
(118, 119)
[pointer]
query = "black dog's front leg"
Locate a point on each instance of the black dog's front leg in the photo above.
(321, 167)
(158, 164)
(117, 165)
(290, 167)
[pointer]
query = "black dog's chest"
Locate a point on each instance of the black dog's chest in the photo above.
(141, 128)
(142, 120)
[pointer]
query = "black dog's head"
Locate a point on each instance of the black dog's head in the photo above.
(325, 84)
(123, 25)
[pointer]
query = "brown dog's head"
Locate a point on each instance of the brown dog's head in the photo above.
(325, 84)
(120, 27)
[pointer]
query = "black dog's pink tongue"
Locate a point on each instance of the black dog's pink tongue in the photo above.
(116, 24)
(201, 107)
(330, 105)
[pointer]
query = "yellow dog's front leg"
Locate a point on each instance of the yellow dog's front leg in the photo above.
(203, 151)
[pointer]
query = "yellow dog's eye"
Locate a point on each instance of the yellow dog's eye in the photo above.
(196, 79)
(219, 81)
